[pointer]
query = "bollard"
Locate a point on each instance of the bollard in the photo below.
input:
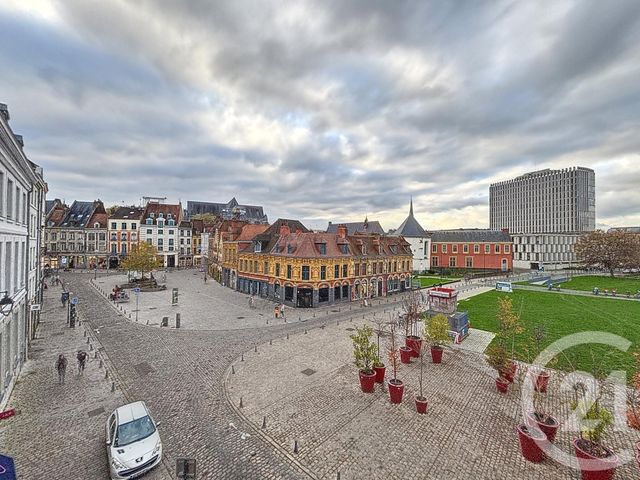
(177, 320)
(147, 322)
(351, 319)
(242, 357)
(305, 331)
(90, 346)
(129, 316)
(295, 446)
(299, 318)
(267, 321)
(106, 374)
(233, 370)
(113, 386)
(95, 354)
(84, 334)
(338, 475)
(363, 316)
(270, 342)
(100, 366)
(88, 340)
(287, 336)
(255, 348)
(241, 405)
(264, 422)
(337, 323)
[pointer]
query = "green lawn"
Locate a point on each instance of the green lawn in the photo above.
(563, 315)
(622, 285)
(431, 281)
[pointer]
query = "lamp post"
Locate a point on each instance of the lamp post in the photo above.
(6, 304)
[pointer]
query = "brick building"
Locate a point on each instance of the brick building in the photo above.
(471, 249)
(123, 233)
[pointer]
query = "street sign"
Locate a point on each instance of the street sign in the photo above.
(74, 301)
(136, 290)
(186, 469)
(35, 307)
(7, 468)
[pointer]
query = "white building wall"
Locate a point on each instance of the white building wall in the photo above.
(421, 249)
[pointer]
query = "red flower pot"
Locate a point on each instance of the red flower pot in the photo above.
(366, 381)
(396, 390)
(509, 373)
(415, 344)
(379, 373)
(405, 354)
(549, 427)
(502, 385)
(421, 404)
(531, 441)
(592, 467)
(540, 381)
(436, 354)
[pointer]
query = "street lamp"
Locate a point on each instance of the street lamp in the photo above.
(6, 304)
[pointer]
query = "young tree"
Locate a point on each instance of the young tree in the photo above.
(609, 250)
(141, 259)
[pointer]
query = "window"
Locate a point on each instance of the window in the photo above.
(160, 242)
(289, 271)
(9, 199)
(171, 232)
(444, 248)
(364, 249)
(277, 269)
(123, 237)
(305, 272)
(160, 231)
(182, 241)
(487, 248)
(497, 248)
(114, 225)
(344, 271)
(322, 248)
(476, 248)
(171, 241)
(134, 237)
(149, 221)
(171, 223)
(133, 226)
(452, 261)
(257, 247)
(507, 248)
(289, 248)
(468, 261)
(114, 237)
(160, 223)
(336, 271)
(92, 237)
(113, 248)
(149, 231)
(123, 226)
(454, 248)
(149, 241)
(266, 268)
(1, 193)
(95, 225)
(434, 261)
(465, 248)
(323, 272)
(434, 248)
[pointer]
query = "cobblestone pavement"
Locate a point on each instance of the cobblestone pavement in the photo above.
(59, 430)
(306, 389)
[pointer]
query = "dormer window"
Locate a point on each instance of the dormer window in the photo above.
(149, 221)
(344, 248)
(289, 248)
(160, 215)
(169, 216)
(160, 223)
(171, 222)
(394, 249)
(364, 249)
(96, 225)
(257, 247)
(322, 248)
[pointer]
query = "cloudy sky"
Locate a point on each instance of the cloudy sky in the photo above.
(326, 109)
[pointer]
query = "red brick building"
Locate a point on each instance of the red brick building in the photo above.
(471, 249)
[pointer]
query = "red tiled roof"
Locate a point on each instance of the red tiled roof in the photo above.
(100, 218)
(251, 230)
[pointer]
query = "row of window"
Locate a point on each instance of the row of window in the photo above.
(123, 226)
(476, 248)
(453, 262)
(13, 200)
(339, 271)
(12, 258)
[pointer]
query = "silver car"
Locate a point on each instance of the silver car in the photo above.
(133, 443)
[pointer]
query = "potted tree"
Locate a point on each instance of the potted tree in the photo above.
(437, 335)
(509, 326)
(412, 312)
(539, 376)
(531, 440)
(378, 364)
(396, 387)
(596, 461)
(420, 399)
(498, 359)
(364, 354)
(541, 419)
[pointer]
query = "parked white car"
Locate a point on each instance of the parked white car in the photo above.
(133, 442)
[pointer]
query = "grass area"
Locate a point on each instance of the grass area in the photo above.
(563, 315)
(621, 284)
(431, 281)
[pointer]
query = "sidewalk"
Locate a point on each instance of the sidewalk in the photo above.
(58, 431)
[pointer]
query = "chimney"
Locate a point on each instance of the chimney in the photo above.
(342, 231)
(4, 111)
(284, 229)
(19, 139)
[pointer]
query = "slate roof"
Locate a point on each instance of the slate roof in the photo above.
(229, 210)
(410, 227)
(127, 213)
(269, 237)
(165, 209)
(56, 216)
(48, 205)
(198, 226)
(470, 235)
(355, 227)
(78, 215)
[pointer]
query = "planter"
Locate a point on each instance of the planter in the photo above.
(540, 381)
(415, 344)
(502, 385)
(379, 373)
(396, 390)
(592, 467)
(549, 425)
(421, 404)
(633, 419)
(405, 354)
(509, 373)
(436, 354)
(367, 381)
(531, 440)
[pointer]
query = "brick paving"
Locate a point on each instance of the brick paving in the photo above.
(59, 431)
(468, 431)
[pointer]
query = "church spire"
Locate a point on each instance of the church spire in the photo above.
(411, 207)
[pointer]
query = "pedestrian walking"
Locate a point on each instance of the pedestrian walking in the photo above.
(61, 367)
(205, 279)
(276, 311)
(63, 299)
(282, 310)
(81, 356)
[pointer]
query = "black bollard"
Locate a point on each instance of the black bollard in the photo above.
(241, 405)
(233, 370)
(264, 422)
(295, 446)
